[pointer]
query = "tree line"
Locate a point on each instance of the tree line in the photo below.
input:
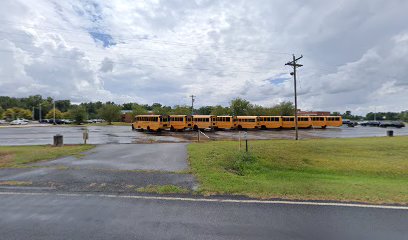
(29, 108)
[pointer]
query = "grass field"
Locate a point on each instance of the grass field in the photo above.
(18, 156)
(371, 170)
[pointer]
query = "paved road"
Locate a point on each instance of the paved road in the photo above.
(123, 134)
(158, 157)
(95, 217)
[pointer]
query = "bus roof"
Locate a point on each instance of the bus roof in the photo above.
(177, 115)
(147, 115)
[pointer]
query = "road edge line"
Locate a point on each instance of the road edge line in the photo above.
(217, 200)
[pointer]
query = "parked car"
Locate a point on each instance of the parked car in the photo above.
(44, 121)
(392, 124)
(3, 122)
(66, 121)
(18, 122)
(370, 123)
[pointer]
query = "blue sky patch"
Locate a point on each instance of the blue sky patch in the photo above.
(106, 39)
(278, 80)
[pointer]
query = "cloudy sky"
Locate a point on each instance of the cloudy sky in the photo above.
(355, 52)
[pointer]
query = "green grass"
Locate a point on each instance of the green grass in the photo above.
(162, 189)
(371, 170)
(19, 156)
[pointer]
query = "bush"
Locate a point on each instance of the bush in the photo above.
(50, 114)
(243, 163)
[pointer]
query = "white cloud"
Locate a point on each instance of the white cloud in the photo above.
(163, 51)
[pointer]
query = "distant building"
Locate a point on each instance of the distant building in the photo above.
(313, 113)
(126, 116)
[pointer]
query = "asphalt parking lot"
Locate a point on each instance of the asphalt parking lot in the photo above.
(114, 168)
(123, 134)
(151, 157)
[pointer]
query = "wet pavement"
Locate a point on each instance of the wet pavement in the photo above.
(35, 216)
(117, 168)
(153, 157)
(123, 134)
(90, 180)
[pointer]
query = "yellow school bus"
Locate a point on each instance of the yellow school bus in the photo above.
(319, 121)
(268, 122)
(246, 122)
(204, 121)
(303, 122)
(179, 122)
(225, 122)
(334, 121)
(151, 122)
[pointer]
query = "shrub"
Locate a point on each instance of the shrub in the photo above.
(243, 163)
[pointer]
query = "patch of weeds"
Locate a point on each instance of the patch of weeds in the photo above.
(243, 163)
(162, 189)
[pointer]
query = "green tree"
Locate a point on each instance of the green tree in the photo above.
(63, 105)
(162, 110)
(181, 110)
(14, 113)
(10, 114)
(50, 114)
(403, 116)
(110, 113)
(286, 108)
(204, 110)
(1, 112)
(256, 110)
(138, 110)
(78, 114)
(239, 107)
(220, 110)
(127, 106)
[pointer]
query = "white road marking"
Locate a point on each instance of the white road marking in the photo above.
(187, 199)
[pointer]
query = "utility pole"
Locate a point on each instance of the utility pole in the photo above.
(295, 65)
(39, 112)
(54, 112)
(32, 115)
(192, 104)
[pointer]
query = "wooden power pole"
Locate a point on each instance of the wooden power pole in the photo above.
(192, 104)
(295, 65)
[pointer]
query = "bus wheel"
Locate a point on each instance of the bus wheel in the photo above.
(239, 127)
(195, 127)
(324, 127)
(172, 129)
(148, 128)
(263, 127)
